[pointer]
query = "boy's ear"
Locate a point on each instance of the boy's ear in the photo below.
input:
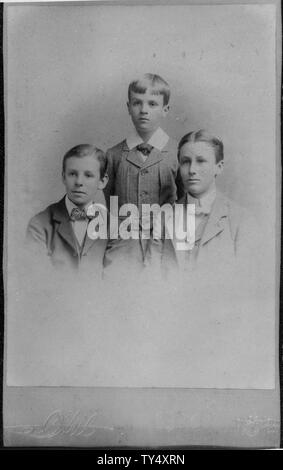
(63, 177)
(128, 107)
(103, 182)
(219, 167)
(166, 109)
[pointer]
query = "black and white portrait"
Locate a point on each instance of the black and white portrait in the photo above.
(161, 321)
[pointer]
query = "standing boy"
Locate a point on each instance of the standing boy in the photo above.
(142, 168)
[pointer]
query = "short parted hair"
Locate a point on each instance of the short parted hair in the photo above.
(87, 150)
(156, 83)
(204, 136)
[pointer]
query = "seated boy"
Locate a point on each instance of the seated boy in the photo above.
(223, 230)
(61, 229)
(142, 168)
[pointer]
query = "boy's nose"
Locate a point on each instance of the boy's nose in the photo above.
(79, 181)
(144, 108)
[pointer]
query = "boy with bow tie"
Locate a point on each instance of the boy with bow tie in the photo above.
(62, 228)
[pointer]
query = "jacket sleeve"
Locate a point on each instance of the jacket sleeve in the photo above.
(168, 184)
(169, 175)
(246, 236)
(38, 247)
(250, 251)
(37, 233)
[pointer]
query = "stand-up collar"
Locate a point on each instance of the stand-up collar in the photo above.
(158, 140)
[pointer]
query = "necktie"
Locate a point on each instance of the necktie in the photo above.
(145, 149)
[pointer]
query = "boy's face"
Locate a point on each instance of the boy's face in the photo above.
(198, 167)
(82, 179)
(147, 111)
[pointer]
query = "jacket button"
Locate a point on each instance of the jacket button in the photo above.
(144, 172)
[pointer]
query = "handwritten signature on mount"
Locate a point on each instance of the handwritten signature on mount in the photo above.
(72, 424)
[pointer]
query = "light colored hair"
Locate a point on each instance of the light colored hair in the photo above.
(87, 150)
(155, 83)
(204, 136)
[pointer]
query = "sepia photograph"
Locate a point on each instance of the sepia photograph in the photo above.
(142, 224)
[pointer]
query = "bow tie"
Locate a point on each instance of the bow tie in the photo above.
(145, 149)
(79, 214)
(201, 210)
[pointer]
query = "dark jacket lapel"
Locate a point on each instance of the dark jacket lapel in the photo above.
(132, 156)
(154, 157)
(157, 156)
(61, 216)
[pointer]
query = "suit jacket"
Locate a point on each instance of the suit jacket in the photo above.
(229, 237)
(52, 232)
(137, 182)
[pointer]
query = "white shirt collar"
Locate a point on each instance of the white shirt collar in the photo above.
(158, 140)
(206, 201)
(70, 205)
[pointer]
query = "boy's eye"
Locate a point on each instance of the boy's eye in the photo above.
(153, 104)
(201, 160)
(89, 175)
(185, 161)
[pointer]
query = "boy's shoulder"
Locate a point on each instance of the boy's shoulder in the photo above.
(239, 217)
(55, 210)
(171, 147)
(172, 143)
(234, 209)
(118, 148)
